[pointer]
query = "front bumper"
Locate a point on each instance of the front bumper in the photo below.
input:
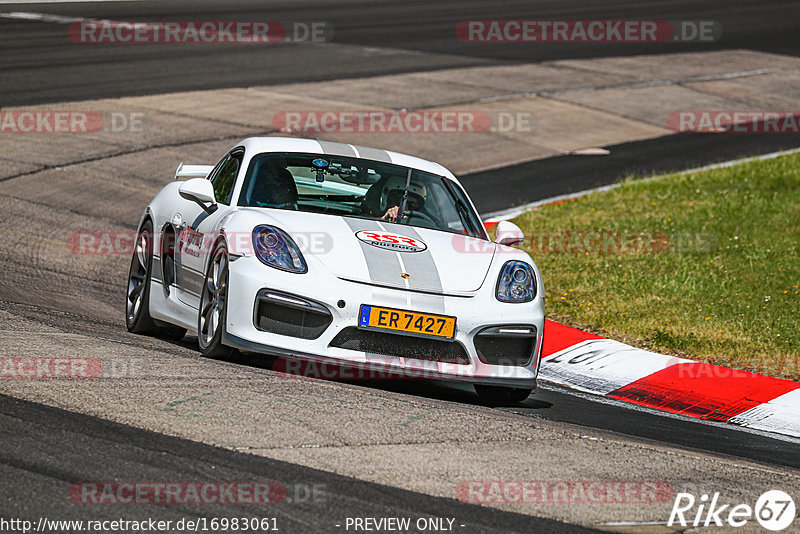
(248, 277)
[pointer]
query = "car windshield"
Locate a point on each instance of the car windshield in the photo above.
(340, 185)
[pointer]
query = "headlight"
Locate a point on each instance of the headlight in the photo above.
(516, 283)
(275, 248)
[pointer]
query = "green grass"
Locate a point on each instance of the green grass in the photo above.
(722, 284)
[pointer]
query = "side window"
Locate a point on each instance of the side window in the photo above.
(224, 180)
(215, 171)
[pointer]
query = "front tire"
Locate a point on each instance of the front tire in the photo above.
(213, 306)
(502, 395)
(137, 302)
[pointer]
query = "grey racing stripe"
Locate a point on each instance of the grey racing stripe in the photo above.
(375, 154)
(337, 149)
(382, 264)
(424, 275)
(384, 267)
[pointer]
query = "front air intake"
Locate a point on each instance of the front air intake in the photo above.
(400, 346)
(506, 345)
(290, 315)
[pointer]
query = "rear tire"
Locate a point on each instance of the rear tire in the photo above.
(502, 395)
(213, 306)
(137, 302)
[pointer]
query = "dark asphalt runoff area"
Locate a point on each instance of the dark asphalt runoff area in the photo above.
(40, 63)
(556, 403)
(46, 451)
(560, 175)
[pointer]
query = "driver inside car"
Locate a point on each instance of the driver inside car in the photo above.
(274, 187)
(391, 197)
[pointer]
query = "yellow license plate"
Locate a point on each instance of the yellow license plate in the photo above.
(416, 323)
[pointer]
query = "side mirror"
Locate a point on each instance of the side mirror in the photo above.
(509, 234)
(201, 191)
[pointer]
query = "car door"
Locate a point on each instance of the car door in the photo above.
(199, 228)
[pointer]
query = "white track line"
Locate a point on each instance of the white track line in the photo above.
(40, 17)
(510, 213)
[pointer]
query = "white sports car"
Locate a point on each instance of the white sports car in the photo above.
(325, 252)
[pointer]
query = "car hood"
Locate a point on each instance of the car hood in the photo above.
(363, 251)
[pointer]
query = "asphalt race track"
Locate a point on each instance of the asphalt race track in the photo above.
(560, 404)
(379, 449)
(562, 175)
(87, 448)
(40, 65)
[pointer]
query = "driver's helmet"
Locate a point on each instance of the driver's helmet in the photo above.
(392, 194)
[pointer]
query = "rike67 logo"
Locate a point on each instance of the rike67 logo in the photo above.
(774, 510)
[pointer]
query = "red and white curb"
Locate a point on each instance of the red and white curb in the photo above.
(590, 363)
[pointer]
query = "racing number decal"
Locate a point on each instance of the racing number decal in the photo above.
(391, 238)
(398, 243)
(190, 241)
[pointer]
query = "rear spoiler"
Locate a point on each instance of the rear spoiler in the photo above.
(192, 171)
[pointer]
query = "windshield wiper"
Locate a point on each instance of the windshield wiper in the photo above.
(405, 198)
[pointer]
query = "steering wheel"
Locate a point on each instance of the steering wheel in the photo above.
(419, 215)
